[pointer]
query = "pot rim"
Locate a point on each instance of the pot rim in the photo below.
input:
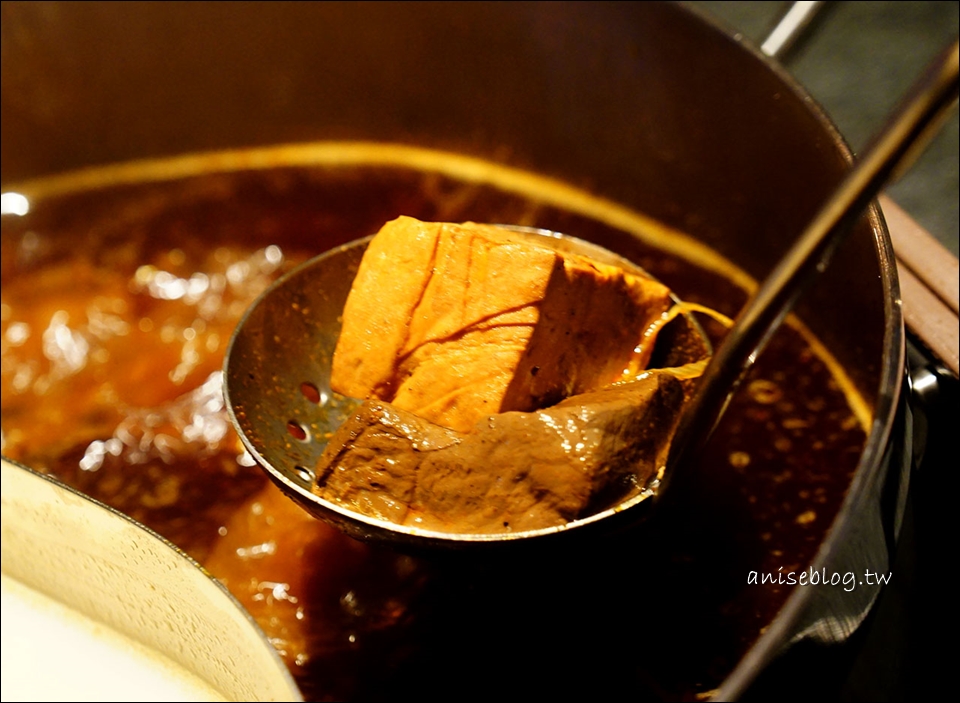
(869, 473)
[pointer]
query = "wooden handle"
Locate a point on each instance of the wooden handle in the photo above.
(929, 285)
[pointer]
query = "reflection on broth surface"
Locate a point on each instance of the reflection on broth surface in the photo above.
(117, 305)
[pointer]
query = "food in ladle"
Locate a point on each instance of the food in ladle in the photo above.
(501, 382)
(514, 471)
(456, 322)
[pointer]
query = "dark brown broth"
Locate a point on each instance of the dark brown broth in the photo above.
(669, 621)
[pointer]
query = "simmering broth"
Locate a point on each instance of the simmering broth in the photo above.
(121, 288)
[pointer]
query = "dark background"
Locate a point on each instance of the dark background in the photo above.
(858, 59)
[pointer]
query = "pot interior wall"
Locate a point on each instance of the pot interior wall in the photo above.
(642, 103)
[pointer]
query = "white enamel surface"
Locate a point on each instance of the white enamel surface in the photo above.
(54, 653)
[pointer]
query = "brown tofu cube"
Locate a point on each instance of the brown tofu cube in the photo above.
(454, 322)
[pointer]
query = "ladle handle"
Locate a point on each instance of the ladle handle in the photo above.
(890, 153)
(927, 271)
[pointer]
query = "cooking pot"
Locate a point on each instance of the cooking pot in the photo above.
(645, 105)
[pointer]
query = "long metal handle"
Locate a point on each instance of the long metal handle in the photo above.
(891, 152)
(928, 281)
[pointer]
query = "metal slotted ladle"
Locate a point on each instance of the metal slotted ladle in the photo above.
(277, 372)
(277, 366)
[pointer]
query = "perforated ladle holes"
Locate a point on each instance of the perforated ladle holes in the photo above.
(305, 474)
(294, 428)
(310, 392)
(297, 431)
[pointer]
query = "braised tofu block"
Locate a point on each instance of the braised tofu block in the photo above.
(455, 322)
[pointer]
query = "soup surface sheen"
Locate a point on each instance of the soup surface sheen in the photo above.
(121, 288)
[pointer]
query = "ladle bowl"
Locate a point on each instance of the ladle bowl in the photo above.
(278, 395)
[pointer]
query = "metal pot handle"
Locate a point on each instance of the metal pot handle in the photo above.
(790, 28)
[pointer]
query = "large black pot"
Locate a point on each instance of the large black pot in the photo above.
(645, 104)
